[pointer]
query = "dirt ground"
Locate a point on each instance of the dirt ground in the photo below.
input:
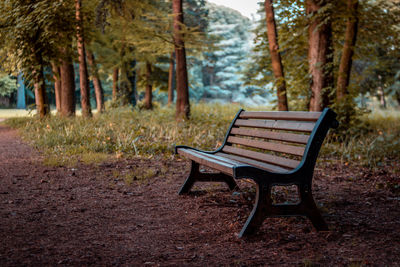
(128, 213)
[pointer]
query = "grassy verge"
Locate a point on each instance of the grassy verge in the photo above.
(126, 132)
(375, 142)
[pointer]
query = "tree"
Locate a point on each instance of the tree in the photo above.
(228, 47)
(319, 53)
(276, 61)
(83, 73)
(149, 88)
(67, 87)
(115, 84)
(182, 87)
(42, 105)
(23, 25)
(348, 50)
(171, 76)
(57, 85)
(98, 88)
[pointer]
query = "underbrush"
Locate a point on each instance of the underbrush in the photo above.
(125, 132)
(128, 132)
(373, 142)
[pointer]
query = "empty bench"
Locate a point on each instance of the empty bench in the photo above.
(271, 148)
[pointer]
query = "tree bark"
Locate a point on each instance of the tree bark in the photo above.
(83, 73)
(398, 98)
(57, 85)
(182, 86)
(277, 66)
(67, 88)
(348, 50)
(382, 97)
(132, 82)
(98, 89)
(115, 84)
(171, 75)
(319, 55)
(148, 98)
(40, 93)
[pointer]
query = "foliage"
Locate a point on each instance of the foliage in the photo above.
(8, 85)
(32, 32)
(376, 53)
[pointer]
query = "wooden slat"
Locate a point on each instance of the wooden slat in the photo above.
(251, 162)
(277, 125)
(275, 160)
(281, 115)
(287, 137)
(203, 159)
(293, 150)
(218, 158)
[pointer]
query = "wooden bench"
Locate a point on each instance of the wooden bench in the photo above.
(271, 148)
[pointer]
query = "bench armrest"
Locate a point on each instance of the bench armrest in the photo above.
(195, 149)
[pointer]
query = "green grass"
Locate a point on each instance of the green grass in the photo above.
(374, 142)
(125, 132)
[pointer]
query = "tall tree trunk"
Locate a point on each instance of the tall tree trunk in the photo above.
(348, 50)
(40, 93)
(115, 84)
(83, 73)
(320, 50)
(398, 97)
(148, 98)
(382, 97)
(277, 66)
(182, 86)
(125, 87)
(98, 89)
(132, 82)
(171, 79)
(67, 87)
(57, 85)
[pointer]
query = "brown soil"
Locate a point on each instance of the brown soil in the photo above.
(128, 213)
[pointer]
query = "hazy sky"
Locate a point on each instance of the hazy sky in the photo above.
(246, 7)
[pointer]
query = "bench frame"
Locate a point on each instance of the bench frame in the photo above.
(301, 177)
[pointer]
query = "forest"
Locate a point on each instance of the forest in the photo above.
(108, 88)
(123, 53)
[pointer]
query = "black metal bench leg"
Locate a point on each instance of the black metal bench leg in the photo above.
(197, 176)
(259, 212)
(191, 179)
(312, 212)
(230, 181)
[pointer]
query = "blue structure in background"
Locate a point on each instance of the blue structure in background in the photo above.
(21, 98)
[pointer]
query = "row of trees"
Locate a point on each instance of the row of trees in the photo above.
(307, 47)
(322, 40)
(40, 34)
(319, 53)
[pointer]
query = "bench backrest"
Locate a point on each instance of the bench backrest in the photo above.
(282, 141)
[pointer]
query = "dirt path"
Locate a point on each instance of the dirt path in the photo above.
(128, 213)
